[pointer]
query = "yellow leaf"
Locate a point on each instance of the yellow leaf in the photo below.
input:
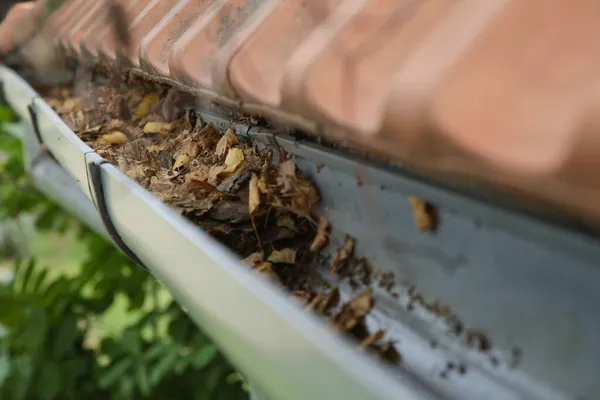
(254, 196)
(71, 104)
(115, 137)
(233, 160)
(143, 108)
(285, 256)
(158, 127)
(180, 162)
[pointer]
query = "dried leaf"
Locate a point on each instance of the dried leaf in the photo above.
(115, 137)
(262, 184)
(478, 339)
(361, 304)
(266, 271)
(254, 258)
(227, 141)
(286, 221)
(441, 309)
(303, 297)
(389, 353)
(233, 160)
(180, 162)
(371, 339)
(199, 174)
(254, 195)
(424, 214)
(213, 174)
(327, 301)
(162, 128)
(284, 256)
(143, 108)
(321, 238)
(342, 255)
(264, 266)
(70, 105)
(287, 176)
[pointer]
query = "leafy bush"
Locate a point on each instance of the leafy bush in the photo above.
(49, 350)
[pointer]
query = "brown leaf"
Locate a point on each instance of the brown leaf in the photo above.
(324, 302)
(369, 340)
(286, 178)
(342, 255)
(424, 213)
(115, 137)
(143, 108)
(478, 339)
(200, 173)
(321, 237)
(254, 194)
(228, 140)
(284, 256)
(388, 352)
(230, 211)
(213, 174)
(191, 120)
(361, 304)
(303, 297)
(266, 271)
(254, 258)
(286, 221)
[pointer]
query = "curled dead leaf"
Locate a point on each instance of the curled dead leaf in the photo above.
(227, 141)
(425, 218)
(342, 255)
(162, 128)
(302, 296)
(254, 258)
(371, 339)
(143, 108)
(115, 137)
(321, 237)
(254, 194)
(361, 304)
(284, 256)
(264, 266)
(286, 178)
(213, 174)
(388, 352)
(324, 302)
(200, 173)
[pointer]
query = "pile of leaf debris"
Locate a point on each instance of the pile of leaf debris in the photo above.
(228, 187)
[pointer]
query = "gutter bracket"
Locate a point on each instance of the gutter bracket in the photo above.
(95, 180)
(38, 134)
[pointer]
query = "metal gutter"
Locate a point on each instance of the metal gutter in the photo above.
(281, 348)
(513, 275)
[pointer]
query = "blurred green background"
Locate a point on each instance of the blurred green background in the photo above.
(78, 320)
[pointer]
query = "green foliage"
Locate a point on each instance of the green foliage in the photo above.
(50, 349)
